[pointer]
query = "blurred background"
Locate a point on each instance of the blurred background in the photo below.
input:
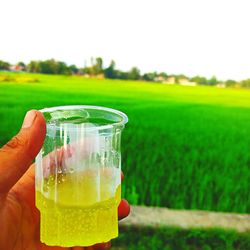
(180, 71)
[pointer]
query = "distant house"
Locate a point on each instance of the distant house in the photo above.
(98, 76)
(186, 82)
(86, 75)
(221, 85)
(16, 68)
(159, 79)
(170, 80)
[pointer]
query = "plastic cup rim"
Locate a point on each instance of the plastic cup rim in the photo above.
(114, 111)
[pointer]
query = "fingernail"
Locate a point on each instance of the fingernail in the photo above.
(29, 119)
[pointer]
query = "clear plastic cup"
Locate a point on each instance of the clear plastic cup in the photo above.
(78, 175)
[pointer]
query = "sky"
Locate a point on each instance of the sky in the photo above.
(191, 37)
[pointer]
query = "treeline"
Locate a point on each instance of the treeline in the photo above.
(97, 69)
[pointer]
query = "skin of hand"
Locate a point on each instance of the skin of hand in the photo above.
(19, 218)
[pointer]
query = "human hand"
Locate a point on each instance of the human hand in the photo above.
(19, 218)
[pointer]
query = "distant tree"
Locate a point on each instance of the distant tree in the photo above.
(212, 81)
(199, 80)
(230, 83)
(73, 69)
(163, 74)
(52, 66)
(110, 71)
(177, 79)
(91, 69)
(22, 64)
(98, 67)
(181, 76)
(86, 70)
(4, 65)
(134, 74)
(48, 66)
(62, 68)
(149, 76)
(245, 83)
(121, 74)
(33, 67)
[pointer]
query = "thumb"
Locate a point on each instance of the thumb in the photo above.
(17, 155)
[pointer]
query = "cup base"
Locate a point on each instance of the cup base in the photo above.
(79, 226)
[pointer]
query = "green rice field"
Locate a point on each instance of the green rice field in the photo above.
(170, 238)
(183, 148)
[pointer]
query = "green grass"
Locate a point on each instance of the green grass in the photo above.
(184, 147)
(181, 239)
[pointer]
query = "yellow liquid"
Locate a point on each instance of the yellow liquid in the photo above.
(79, 214)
